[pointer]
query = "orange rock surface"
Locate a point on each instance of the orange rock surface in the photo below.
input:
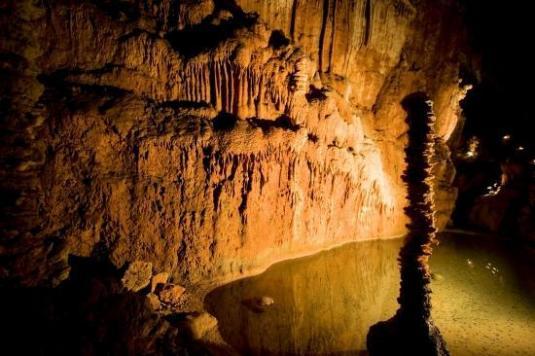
(214, 138)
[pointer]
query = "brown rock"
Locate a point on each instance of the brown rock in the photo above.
(170, 294)
(137, 276)
(198, 324)
(157, 279)
(259, 304)
(154, 301)
(215, 158)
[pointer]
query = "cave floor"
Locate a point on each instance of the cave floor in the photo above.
(483, 299)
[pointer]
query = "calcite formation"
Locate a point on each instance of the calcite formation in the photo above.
(411, 331)
(212, 138)
(137, 276)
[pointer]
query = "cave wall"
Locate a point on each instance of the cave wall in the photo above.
(213, 138)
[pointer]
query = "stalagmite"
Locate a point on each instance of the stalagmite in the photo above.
(411, 331)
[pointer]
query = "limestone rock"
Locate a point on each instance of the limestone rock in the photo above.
(507, 212)
(214, 138)
(137, 276)
(157, 279)
(197, 324)
(266, 301)
(170, 294)
(154, 301)
(259, 304)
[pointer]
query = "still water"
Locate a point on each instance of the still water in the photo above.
(483, 300)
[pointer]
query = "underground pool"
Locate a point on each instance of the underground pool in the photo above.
(483, 299)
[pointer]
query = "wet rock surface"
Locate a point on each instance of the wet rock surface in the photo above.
(258, 304)
(500, 202)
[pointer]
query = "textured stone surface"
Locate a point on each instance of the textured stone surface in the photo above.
(160, 278)
(510, 211)
(154, 301)
(207, 140)
(198, 324)
(137, 276)
(171, 293)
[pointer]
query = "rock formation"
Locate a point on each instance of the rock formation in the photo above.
(411, 331)
(211, 138)
(508, 209)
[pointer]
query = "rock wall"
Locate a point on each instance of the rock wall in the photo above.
(213, 138)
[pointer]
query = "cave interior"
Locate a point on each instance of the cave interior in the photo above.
(258, 177)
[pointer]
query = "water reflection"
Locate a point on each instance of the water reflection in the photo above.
(325, 304)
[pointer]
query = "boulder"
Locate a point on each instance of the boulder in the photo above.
(157, 279)
(170, 294)
(137, 276)
(198, 324)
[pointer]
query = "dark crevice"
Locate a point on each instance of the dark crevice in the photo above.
(207, 156)
(278, 40)
(78, 95)
(293, 19)
(182, 249)
(216, 194)
(315, 94)
(118, 10)
(282, 122)
(234, 168)
(224, 122)
(333, 34)
(62, 79)
(201, 38)
(334, 144)
(231, 6)
(248, 169)
(184, 104)
(367, 22)
(322, 33)
(135, 32)
(313, 138)
(12, 62)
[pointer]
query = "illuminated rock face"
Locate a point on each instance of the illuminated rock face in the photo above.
(209, 141)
